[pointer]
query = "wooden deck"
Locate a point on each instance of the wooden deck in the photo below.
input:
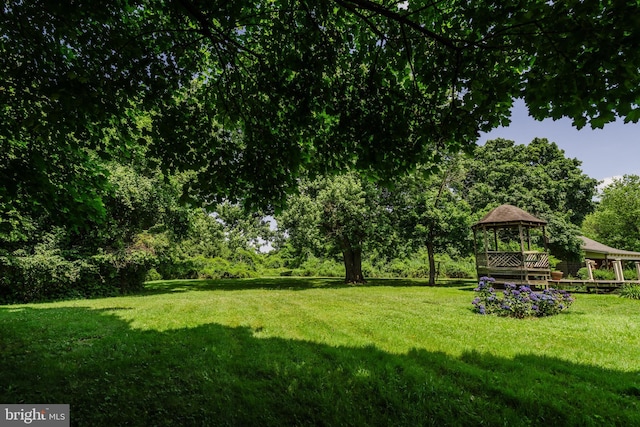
(596, 286)
(577, 285)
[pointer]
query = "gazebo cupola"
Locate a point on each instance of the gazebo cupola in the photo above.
(511, 246)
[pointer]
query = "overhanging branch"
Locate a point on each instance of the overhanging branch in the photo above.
(209, 31)
(397, 17)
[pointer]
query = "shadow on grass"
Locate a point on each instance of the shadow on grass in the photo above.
(287, 283)
(112, 374)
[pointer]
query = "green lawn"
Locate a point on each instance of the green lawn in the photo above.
(316, 352)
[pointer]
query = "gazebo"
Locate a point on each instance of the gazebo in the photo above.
(505, 247)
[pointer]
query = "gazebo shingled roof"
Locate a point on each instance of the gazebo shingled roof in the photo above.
(508, 214)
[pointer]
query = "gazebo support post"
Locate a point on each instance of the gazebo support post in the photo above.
(525, 274)
(475, 249)
(486, 246)
(617, 268)
(495, 239)
(589, 263)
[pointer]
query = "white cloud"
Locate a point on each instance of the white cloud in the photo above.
(608, 181)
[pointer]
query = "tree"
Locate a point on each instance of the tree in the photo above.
(338, 214)
(205, 237)
(615, 219)
(427, 212)
(242, 229)
(537, 178)
(254, 94)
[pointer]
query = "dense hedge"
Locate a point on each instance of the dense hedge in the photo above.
(246, 264)
(52, 276)
(202, 268)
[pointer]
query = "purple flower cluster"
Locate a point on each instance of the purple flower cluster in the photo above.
(519, 302)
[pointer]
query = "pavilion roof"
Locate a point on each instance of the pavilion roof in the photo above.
(505, 215)
(591, 247)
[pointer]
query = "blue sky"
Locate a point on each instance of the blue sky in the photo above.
(605, 153)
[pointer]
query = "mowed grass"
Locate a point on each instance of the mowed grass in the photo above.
(293, 351)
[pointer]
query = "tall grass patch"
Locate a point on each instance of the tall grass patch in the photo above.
(630, 290)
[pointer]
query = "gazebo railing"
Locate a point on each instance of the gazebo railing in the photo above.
(528, 260)
(536, 260)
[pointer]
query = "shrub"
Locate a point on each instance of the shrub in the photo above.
(319, 267)
(52, 275)
(215, 268)
(583, 273)
(463, 268)
(206, 268)
(179, 268)
(118, 273)
(152, 275)
(39, 277)
(415, 268)
(396, 268)
(605, 274)
(519, 302)
(630, 290)
(274, 260)
(630, 274)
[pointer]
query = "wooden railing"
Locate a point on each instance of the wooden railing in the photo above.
(528, 260)
(536, 260)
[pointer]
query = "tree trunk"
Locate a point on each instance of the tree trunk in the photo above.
(353, 265)
(432, 261)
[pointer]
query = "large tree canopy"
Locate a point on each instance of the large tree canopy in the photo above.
(250, 93)
(537, 178)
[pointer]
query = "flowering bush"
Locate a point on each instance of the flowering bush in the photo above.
(519, 302)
